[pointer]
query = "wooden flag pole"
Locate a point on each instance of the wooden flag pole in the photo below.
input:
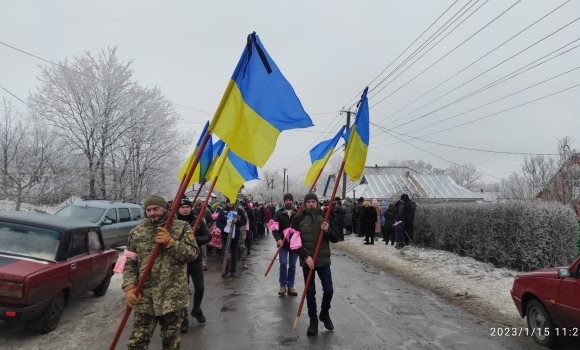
(318, 244)
(198, 191)
(174, 207)
(284, 238)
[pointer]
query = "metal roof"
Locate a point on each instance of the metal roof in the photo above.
(387, 182)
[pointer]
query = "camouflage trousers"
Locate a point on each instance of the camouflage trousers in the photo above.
(144, 325)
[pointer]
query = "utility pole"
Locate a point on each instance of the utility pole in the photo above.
(344, 173)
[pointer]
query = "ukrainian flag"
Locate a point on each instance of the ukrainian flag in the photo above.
(358, 140)
(319, 156)
(259, 103)
(233, 172)
(218, 148)
(204, 162)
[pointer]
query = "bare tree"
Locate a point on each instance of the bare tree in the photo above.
(419, 166)
(27, 149)
(465, 175)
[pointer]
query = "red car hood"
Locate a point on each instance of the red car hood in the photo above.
(551, 272)
(15, 269)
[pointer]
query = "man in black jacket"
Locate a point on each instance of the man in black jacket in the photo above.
(252, 226)
(221, 222)
(311, 224)
(284, 217)
(195, 267)
(408, 217)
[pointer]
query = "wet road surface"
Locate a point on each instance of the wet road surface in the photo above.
(370, 310)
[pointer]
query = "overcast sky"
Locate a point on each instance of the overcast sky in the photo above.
(329, 51)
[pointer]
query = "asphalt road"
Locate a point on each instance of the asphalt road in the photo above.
(370, 310)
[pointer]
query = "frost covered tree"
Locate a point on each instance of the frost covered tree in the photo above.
(27, 151)
(465, 175)
(126, 133)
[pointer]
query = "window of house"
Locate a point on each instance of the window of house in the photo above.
(124, 215)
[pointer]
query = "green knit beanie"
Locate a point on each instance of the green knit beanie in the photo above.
(155, 199)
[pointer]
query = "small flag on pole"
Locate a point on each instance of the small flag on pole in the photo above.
(234, 173)
(204, 162)
(319, 156)
(357, 138)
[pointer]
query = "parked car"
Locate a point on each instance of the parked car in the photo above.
(116, 219)
(45, 261)
(550, 300)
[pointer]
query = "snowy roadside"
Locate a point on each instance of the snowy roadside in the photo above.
(8, 205)
(477, 287)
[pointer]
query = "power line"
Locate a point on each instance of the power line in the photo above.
(427, 42)
(465, 148)
(447, 160)
(497, 82)
(485, 117)
(501, 14)
(479, 59)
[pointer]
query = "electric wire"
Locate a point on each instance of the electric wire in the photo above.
(479, 59)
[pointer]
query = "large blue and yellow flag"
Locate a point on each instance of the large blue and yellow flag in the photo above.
(319, 156)
(259, 103)
(218, 148)
(204, 162)
(233, 172)
(357, 138)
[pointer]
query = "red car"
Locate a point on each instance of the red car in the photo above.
(550, 300)
(45, 260)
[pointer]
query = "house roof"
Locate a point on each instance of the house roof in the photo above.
(387, 182)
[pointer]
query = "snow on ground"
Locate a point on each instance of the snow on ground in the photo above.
(478, 287)
(8, 205)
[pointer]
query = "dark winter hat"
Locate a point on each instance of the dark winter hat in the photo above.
(405, 197)
(310, 196)
(185, 201)
(337, 199)
(155, 199)
(288, 196)
(360, 200)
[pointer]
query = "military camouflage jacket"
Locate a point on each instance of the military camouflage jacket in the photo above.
(165, 289)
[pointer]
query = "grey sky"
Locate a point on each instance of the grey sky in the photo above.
(329, 51)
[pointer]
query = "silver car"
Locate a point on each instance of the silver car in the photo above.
(116, 219)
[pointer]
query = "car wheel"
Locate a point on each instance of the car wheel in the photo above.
(104, 286)
(541, 325)
(51, 317)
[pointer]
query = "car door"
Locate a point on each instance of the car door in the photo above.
(99, 268)
(79, 261)
(110, 231)
(125, 225)
(569, 301)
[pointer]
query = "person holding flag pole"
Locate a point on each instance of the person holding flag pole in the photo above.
(258, 104)
(313, 257)
(319, 156)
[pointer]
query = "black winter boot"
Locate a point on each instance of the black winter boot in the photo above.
(198, 315)
(184, 325)
(325, 318)
(313, 328)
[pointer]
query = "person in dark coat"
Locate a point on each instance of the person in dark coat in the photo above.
(389, 221)
(310, 222)
(357, 216)
(368, 222)
(221, 222)
(399, 231)
(348, 216)
(284, 217)
(408, 217)
(339, 213)
(195, 267)
(251, 225)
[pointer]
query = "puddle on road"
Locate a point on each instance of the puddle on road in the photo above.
(226, 309)
(288, 341)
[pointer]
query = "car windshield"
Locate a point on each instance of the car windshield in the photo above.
(83, 213)
(31, 241)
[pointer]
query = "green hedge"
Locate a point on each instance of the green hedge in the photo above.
(517, 235)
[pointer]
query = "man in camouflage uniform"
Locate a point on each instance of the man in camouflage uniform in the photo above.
(165, 291)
